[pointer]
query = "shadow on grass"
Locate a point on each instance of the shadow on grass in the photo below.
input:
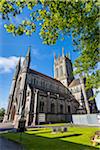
(35, 142)
(65, 136)
(38, 132)
(33, 130)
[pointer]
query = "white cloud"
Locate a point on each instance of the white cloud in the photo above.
(35, 53)
(7, 64)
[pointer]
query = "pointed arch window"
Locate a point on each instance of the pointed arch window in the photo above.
(69, 109)
(18, 86)
(52, 108)
(41, 108)
(61, 108)
(61, 70)
(19, 82)
(56, 72)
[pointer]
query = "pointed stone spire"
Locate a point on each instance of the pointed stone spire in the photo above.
(54, 56)
(19, 61)
(28, 56)
(28, 52)
(27, 59)
(62, 51)
(17, 68)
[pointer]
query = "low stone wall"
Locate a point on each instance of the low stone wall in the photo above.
(58, 118)
(85, 119)
(82, 119)
(55, 118)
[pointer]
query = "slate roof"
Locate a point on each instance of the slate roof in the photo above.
(45, 76)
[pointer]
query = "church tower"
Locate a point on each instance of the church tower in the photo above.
(12, 91)
(17, 95)
(63, 70)
(22, 88)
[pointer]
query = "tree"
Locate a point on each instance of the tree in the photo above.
(2, 112)
(60, 18)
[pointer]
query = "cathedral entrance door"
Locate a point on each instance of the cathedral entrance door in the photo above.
(13, 113)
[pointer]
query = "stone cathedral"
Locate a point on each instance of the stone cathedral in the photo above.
(45, 99)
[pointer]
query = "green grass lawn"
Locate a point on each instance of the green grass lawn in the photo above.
(77, 138)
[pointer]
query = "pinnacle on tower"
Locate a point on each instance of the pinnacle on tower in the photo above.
(17, 68)
(28, 52)
(26, 61)
(28, 55)
(54, 55)
(62, 51)
(19, 61)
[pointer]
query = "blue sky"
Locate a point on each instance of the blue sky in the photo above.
(41, 56)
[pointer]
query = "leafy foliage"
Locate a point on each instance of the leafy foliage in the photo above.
(59, 18)
(2, 111)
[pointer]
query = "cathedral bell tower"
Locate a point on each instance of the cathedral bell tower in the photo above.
(17, 95)
(24, 70)
(22, 89)
(12, 90)
(63, 70)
